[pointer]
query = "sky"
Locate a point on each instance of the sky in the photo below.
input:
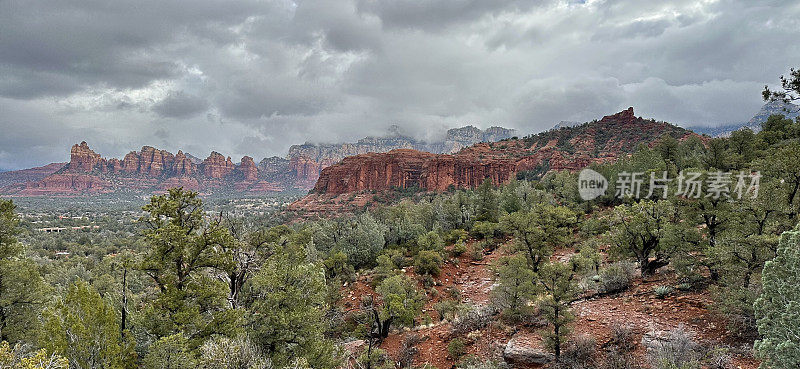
(252, 77)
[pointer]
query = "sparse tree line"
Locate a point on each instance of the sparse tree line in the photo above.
(186, 289)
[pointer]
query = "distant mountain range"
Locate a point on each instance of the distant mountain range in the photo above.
(154, 170)
(771, 108)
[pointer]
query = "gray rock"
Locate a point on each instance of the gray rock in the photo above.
(518, 351)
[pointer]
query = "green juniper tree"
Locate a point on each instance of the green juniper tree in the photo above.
(22, 289)
(186, 249)
(777, 310)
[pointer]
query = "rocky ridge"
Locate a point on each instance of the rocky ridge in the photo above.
(148, 169)
(568, 148)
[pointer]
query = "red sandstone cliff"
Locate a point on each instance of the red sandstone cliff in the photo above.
(570, 148)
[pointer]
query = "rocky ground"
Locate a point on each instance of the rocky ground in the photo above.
(648, 316)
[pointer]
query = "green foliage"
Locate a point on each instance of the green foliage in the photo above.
(336, 266)
(662, 291)
(557, 281)
(486, 230)
(184, 248)
(12, 357)
(475, 251)
(459, 248)
(84, 328)
(170, 352)
(488, 206)
(430, 241)
(385, 269)
(515, 288)
(615, 278)
(649, 231)
(457, 348)
(401, 301)
(22, 290)
(777, 308)
(232, 353)
(286, 302)
(537, 232)
(428, 263)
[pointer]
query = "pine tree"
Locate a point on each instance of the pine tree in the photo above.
(778, 308)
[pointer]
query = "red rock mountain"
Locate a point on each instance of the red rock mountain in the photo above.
(149, 169)
(570, 148)
(305, 162)
(28, 175)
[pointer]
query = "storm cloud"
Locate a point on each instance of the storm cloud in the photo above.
(252, 77)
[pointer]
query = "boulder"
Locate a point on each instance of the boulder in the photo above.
(521, 351)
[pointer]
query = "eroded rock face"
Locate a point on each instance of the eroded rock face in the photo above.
(308, 160)
(247, 168)
(570, 148)
(82, 158)
(183, 165)
(216, 166)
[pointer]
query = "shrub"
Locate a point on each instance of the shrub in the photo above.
(662, 291)
(718, 358)
(618, 360)
(475, 251)
(459, 248)
(472, 319)
(397, 256)
(446, 309)
(615, 278)
(408, 350)
(430, 241)
(456, 235)
(385, 269)
(578, 354)
(622, 338)
(453, 292)
(676, 350)
(428, 263)
(457, 348)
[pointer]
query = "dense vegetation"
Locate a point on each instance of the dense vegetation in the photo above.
(182, 287)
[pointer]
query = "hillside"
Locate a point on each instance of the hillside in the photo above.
(568, 148)
(28, 175)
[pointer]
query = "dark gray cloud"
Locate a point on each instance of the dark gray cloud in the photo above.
(252, 77)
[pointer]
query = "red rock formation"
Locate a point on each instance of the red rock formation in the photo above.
(247, 168)
(571, 149)
(188, 183)
(29, 175)
(65, 184)
(130, 163)
(154, 162)
(215, 166)
(83, 159)
(305, 170)
(183, 166)
(411, 169)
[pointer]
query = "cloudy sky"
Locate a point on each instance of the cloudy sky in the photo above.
(253, 77)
